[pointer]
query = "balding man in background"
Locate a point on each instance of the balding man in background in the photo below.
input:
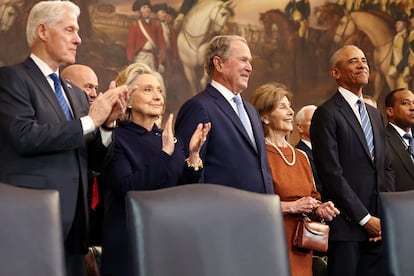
(83, 77)
(303, 121)
(86, 79)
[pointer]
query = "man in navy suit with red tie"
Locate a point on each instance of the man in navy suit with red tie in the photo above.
(232, 157)
(353, 166)
(41, 146)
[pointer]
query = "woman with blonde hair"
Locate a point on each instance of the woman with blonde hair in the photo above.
(142, 157)
(291, 171)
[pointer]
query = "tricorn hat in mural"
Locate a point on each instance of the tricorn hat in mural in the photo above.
(171, 11)
(160, 7)
(139, 3)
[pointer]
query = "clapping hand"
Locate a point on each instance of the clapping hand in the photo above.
(197, 141)
(108, 106)
(168, 139)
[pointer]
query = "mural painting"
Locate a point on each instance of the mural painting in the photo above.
(291, 41)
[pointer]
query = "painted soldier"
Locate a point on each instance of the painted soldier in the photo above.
(298, 12)
(399, 69)
(145, 38)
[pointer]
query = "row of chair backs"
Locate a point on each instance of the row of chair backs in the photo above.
(196, 229)
(206, 230)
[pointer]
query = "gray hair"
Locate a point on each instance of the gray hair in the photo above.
(300, 116)
(219, 46)
(337, 55)
(129, 76)
(49, 13)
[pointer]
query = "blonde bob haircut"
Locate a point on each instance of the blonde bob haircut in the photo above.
(129, 77)
(266, 98)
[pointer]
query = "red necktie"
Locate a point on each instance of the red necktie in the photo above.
(95, 193)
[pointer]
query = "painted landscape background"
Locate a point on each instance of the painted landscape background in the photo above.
(279, 53)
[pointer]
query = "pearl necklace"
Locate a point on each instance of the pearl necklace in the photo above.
(281, 154)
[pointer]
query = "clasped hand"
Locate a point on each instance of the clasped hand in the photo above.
(373, 227)
(327, 211)
(307, 204)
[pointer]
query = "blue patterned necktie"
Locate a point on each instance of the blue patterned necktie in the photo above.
(366, 126)
(60, 97)
(244, 118)
(410, 139)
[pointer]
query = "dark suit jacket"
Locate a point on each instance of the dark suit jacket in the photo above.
(349, 177)
(40, 149)
(228, 155)
(401, 162)
(302, 146)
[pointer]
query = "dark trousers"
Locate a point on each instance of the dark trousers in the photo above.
(351, 258)
(76, 243)
(75, 264)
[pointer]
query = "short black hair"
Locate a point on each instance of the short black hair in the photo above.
(390, 99)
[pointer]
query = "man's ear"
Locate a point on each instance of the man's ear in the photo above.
(299, 128)
(217, 63)
(389, 111)
(335, 73)
(42, 31)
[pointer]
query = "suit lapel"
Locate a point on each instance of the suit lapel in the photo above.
(301, 145)
(38, 79)
(256, 123)
(400, 148)
(225, 106)
(73, 98)
(350, 117)
(375, 130)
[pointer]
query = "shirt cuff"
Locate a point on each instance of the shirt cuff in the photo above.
(87, 125)
(364, 220)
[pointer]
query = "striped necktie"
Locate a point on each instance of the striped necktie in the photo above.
(244, 118)
(60, 97)
(366, 126)
(410, 139)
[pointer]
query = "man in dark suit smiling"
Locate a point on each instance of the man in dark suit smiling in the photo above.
(349, 148)
(46, 124)
(234, 153)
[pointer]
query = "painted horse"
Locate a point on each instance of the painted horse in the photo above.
(375, 26)
(204, 20)
(287, 39)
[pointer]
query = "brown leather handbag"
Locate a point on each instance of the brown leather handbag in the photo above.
(311, 235)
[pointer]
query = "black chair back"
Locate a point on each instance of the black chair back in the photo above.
(206, 230)
(397, 231)
(31, 240)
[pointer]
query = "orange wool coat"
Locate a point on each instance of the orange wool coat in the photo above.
(292, 183)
